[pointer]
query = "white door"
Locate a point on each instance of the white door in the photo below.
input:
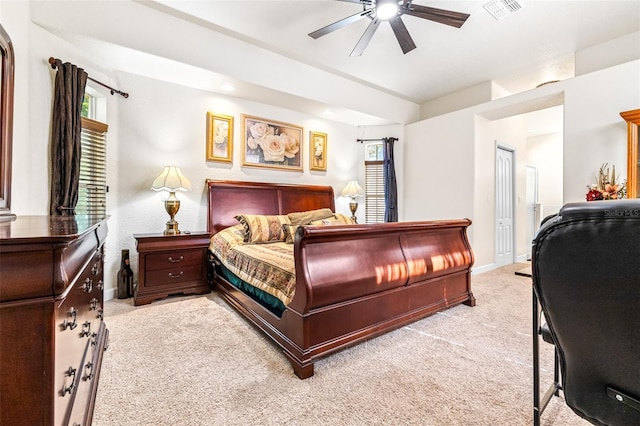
(504, 207)
(531, 202)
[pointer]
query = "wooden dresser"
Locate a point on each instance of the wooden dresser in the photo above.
(52, 334)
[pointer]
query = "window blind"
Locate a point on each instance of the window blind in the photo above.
(374, 191)
(92, 191)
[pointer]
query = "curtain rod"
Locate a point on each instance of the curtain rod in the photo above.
(376, 140)
(55, 62)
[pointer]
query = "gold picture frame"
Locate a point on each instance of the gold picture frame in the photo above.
(271, 144)
(219, 137)
(317, 151)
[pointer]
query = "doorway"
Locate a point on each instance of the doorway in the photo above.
(531, 204)
(504, 206)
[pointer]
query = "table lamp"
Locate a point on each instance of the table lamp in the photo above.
(353, 190)
(171, 179)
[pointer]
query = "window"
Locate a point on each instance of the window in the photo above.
(92, 191)
(374, 183)
(88, 106)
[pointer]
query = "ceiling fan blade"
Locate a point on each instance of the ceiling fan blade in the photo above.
(366, 37)
(339, 24)
(447, 17)
(402, 34)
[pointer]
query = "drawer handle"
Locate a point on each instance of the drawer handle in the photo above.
(172, 260)
(95, 269)
(71, 372)
(100, 314)
(86, 329)
(93, 304)
(87, 286)
(94, 339)
(100, 285)
(88, 366)
(73, 312)
(175, 276)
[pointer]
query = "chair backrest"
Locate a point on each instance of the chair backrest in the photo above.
(586, 274)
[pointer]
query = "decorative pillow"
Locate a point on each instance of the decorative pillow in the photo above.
(263, 229)
(305, 218)
(337, 219)
(290, 232)
(327, 222)
(345, 219)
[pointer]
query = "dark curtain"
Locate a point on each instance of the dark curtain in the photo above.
(66, 127)
(390, 186)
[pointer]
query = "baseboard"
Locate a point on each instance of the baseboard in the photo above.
(109, 294)
(523, 258)
(483, 268)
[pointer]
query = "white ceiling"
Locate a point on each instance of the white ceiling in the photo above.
(262, 48)
(531, 46)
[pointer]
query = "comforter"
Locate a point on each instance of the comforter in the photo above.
(269, 267)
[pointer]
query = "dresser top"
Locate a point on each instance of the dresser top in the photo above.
(46, 228)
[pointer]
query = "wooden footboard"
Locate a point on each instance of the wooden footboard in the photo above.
(354, 282)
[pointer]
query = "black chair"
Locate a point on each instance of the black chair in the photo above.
(586, 277)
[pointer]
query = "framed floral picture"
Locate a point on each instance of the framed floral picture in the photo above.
(318, 151)
(219, 137)
(271, 144)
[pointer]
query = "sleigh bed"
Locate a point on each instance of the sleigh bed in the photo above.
(352, 282)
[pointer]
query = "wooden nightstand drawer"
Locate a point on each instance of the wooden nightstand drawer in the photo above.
(174, 275)
(173, 259)
(171, 264)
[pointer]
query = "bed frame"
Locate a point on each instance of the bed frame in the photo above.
(353, 282)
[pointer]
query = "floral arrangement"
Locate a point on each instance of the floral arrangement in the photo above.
(220, 138)
(607, 186)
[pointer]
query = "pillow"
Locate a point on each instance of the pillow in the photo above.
(337, 219)
(304, 218)
(290, 232)
(345, 219)
(263, 229)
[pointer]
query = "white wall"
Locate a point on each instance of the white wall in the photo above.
(438, 168)
(594, 131)
(544, 152)
(449, 166)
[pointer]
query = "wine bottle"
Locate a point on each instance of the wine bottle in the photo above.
(125, 277)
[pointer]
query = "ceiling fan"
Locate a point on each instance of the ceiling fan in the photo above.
(392, 10)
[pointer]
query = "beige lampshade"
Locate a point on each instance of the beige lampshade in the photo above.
(171, 179)
(353, 189)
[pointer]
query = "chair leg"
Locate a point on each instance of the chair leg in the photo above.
(556, 372)
(537, 411)
(539, 404)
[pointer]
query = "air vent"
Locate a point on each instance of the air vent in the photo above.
(500, 9)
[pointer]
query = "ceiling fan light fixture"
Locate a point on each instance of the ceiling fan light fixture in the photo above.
(386, 10)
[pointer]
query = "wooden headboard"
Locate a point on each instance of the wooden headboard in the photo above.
(230, 198)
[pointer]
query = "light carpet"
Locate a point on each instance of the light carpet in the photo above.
(193, 360)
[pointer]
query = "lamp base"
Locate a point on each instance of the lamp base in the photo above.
(172, 228)
(353, 205)
(172, 205)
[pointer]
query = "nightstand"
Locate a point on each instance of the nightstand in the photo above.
(171, 264)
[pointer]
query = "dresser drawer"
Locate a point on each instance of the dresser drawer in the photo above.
(175, 259)
(78, 319)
